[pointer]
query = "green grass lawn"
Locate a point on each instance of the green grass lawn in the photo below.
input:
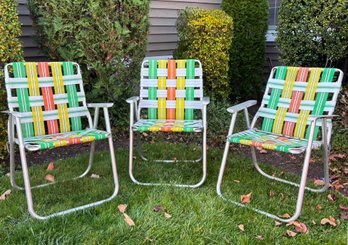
(199, 216)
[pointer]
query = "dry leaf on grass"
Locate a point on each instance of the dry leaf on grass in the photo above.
(300, 227)
(166, 215)
(331, 197)
(334, 157)
(344, 215)
(128, 220)
(262, 151)
(343, 207)
(259, 237)
(145, 134)
(95, 176)
(313, 222)
(277, 223)
(49, 178)
(290, 233)
(158, 208)
(331, 220)
(241, 227)
(8, 174)
(148, 239)
(318, 207)
(319, 182)
(50, 166)
(5, 195)
(336, 185)
(271, 193)
(246, 198)
(237, 181)
(122, 208)
(286, 216)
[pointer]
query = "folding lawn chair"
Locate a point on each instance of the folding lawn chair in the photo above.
(297, 103)
(46, 103)
(170, 90)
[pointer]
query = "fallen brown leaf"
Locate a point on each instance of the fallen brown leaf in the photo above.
(263, 151)
(345, 171)
(8, 174)
(344, 215)
(337, 185)
(95, 176)
(259, 237)
(49, 178)
(301, 227)
(145, 134)
(5, 195)
(237, 181)
(319, 182)
(246, 198)
(148, 239)
(277, 223)
(158, 208)
(241, 227)
(50, 166)
(290, 233)
(343, 207)
(318, 207)
(122, 208)
(128, 220)
(331, 197)
(334, 157)
(286, 216)
(271, 193)
(331, 220)
(166, 215)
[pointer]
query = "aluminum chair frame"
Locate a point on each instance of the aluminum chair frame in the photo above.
(135, 111)
(326, 136)
(14, 122)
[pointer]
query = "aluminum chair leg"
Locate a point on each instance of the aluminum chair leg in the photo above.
(12, 169)
(302, 185)
(28, 188)
(204, 167)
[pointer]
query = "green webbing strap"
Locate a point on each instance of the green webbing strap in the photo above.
(68, 69)
(23, 98)
(152, 112)
(267, 123)
(190, 92)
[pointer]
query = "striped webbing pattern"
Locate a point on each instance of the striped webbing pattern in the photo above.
(168, 125)
(293, 94)
(64, 139)
(171, 89)
(47, 95)
(270, 141)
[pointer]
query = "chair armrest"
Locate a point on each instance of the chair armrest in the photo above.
(241, 106)
(314, 118)
(206, 100)
(13, 113)
(133, 99)
(99, 105)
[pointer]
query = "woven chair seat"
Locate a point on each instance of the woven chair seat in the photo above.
(271, 141)
(64, 139)
(168, 125)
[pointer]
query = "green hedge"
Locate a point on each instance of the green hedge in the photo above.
(10, 50)
(248, 47)
(107, 38)
(206, 35)
(313, 32)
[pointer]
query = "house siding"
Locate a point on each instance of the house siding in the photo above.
(162, 37)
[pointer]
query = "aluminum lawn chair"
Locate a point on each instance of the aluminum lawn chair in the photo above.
(46, 104)
(170, 90)
(297, 104)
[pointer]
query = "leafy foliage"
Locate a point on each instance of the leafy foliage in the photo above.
(10, 50)
(247, 53)
(313, 32)
(107, 38)
(206, 35)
